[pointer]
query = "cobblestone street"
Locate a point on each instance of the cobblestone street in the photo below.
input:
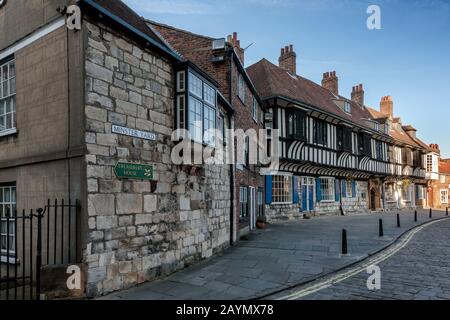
(420, 270)
(294, 252)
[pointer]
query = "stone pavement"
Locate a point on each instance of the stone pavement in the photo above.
(419, 271)
(279, 257)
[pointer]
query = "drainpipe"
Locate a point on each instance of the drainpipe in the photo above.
(232, 214)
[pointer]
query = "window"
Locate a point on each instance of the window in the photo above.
(210, 95)
(444, 196)
(387, 127)
(202, 111)
(348, 189)
(429, 163)
(247, 150)
(7, 209)
(364, 142)
(347, 107)
(255, 108)
(282, 189)
(442, 178)
(7, 97)
(376, 126)
(241, 88)
(344, 139)
(379, 150)
(243, 200)
(260, 203)
(296, 124)
(320, 132)
(209, 125)
(181, 81)
(327, 191)
(195, 86)
(195, 119)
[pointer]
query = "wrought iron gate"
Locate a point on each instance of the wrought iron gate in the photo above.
(30, 240)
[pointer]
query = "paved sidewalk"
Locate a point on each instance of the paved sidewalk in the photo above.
(281, 256)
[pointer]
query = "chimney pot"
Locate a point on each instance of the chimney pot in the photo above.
(387, 106)
(331, 82)
(288, 59)
(358, 94)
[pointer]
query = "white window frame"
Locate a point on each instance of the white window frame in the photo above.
(8, 97)
(10, 203)
(444, 196)
(203, 128)
(429, 163)
(243, 200)
(181, 81)
(347, 107)
(327, 189)
(282, 192)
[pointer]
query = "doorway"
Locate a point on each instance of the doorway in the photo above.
(307, 191)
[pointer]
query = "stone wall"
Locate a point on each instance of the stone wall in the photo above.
(138, 230)
(279, 212)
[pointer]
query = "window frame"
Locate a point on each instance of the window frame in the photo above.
(13, 207)
(282, 189)
(243, 203)
(8, 98)
(444, 196)
(255, 107)
(296, 128)
(347, 107)
(320, 132)
(327, 184)
(241, 88)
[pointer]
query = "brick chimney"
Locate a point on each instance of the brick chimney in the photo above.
(236, 44)
(288, 59)
(358, 94)
(435, 147)
(387, 106)
(331, 82)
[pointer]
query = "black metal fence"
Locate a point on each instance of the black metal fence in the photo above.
(33, 239)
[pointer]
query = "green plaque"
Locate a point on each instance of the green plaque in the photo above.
(133, 171)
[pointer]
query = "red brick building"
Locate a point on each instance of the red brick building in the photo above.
(223, 60)
(439, 190)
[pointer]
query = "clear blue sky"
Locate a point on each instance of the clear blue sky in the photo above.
(409, 58)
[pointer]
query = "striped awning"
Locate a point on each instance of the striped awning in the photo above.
(318, 170)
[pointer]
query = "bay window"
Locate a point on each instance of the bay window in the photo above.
(296, 124)
(196, 108)
(320, 132)
(243, 200)
(7, 97)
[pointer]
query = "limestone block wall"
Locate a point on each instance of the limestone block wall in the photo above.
(138, 230)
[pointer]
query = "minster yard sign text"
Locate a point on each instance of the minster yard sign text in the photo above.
(133, 171)
(133, 133)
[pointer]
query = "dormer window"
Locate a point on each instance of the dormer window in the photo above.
(376, 126)
(347, 107)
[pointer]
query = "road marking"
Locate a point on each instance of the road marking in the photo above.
(341, 276)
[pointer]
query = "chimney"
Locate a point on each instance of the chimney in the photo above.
(330, 82)
(236, 44)
(387, 106)
(410, 131)
(288, 59)
(435, 147)
(358, 94)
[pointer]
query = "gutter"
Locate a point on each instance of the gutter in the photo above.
(132, 29)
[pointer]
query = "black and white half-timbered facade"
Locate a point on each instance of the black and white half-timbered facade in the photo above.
(335, 156)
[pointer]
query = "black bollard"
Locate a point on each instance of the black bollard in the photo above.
(415, 216)
(344, 242)
(446, 211)
(398, 220)
(380, 228)
(431, 213)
